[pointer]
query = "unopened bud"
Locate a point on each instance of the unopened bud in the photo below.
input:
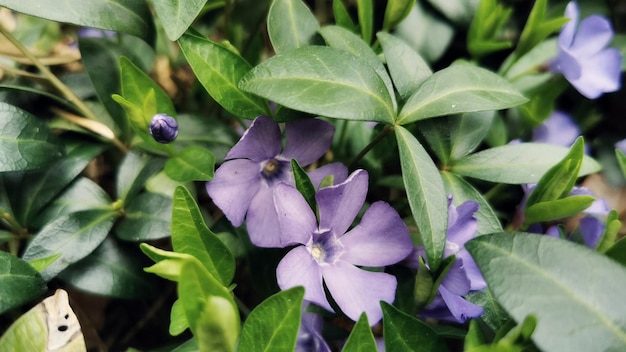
(163, 128)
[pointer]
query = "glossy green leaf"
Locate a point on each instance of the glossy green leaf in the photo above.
(406, 333)
(128, 16)
(176, 16)
(556, 209)
(611, 229)
(361, 337)
(538, 271)
(524, 72)
(190, 235)
(212, 134)
(26, 143)
(342, 16)
(273, 325)
(395, 12)
(341, 38)
(113, 269)
(365, 13)
(178, 319)
(147, 217)
(426, 194)
(191, 164)
(291, 25)
(219, 70)
(516, 163)
(324, 81)
(459, 88)
(133, 172)
(468, 131)
(74, 236)
(217, 327)
(537, 28)
(304, 184)
(488, 221)
(621, 161)
(494, 316)
(19, 282)
(408, 69)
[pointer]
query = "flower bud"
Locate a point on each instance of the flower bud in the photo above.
(163, 128)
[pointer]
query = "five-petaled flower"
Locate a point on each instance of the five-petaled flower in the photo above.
(243, 184)
(583, 58)
(329, 253)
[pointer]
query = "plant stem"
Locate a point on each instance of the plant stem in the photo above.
(379, 137)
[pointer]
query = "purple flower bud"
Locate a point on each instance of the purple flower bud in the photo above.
(163, 128)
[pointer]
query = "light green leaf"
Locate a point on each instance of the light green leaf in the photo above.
(42, 263)
(191, 164)
(177, 15)
(273, 324)
(459, 88)
(217, 326)
(538, 270)
(323, 81)
(291, 25)
(147, 217)
(516, 163)
(556, 209)
(19, 282)
(342, 17)
(406, 333)
(361, 337)
(425, 193)
(365, 13)
(219, 70)
(178, 319)
(395, 12)
(621, 161)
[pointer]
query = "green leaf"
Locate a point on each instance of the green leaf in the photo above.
(537, 28)
(73, 236)
(113, 269)
(147, 217)
(323, 81)
(408, 69)
(178, 319)
(459, 88)
(538, 271)
(42, 263)
(493, 315)
(395, 12)
(485, 31)
(191, 236)
(342, 17)
(617, 251)
(556, 209)
(128, 16)
(191, 164)
(488, 221)
(134, 171)
(475, 337)
(361, 337)
(341, 38)
(273, 324)
(291, 25)
(425, 193)
(621, 160)
(19, 282)
(365, 13)
(516, 163)
(468, 131)
(26, 143)
(406, 333)
(611, 230)
(26, 333)
(219, 70)
(176, 16)
(217, 327)
(304, 184)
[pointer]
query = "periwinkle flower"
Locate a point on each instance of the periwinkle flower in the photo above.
(621, 145)
(329, 253)
(583, 57)
(163, 128)
(310, 334)
(464, 275)
(244, 183)
(557, 129)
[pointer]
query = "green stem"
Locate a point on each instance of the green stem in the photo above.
(379, 137)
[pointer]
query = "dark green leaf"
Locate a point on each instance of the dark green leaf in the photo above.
(406, 333)
(128, 16)
(425, 193)
(516, 163)
(26, 143)
(114, 270)
(468, 131)
(365, 13)
(212, 134)
(290, 25)
(219, 70)
(342, 17)
(621, 160)
(19, 282)
(361, 337)
(191, 236)
(134, 171)
(177, 15)
(304, 184)
(493, 315)
(273, 324)
(474, 337)
(324, 81)
(539, 271)
(459, 88)
(147, 217)
(395, 12)
(556, 209)
(617, 251)
(191, 164)
(74, 236)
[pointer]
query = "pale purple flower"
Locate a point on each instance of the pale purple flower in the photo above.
(310, 334)
(557, 129)
(329, 253)
(621, 146)
(464, 275)
(244, 183)
(583, 57)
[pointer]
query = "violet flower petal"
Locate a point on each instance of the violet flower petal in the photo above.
(455, 280)
(309, 336)
(338, 170)
(566, 37)
(558, 129)
(260, 142)
(459, 307)
(600, 74)
(262, 219)
(593, 35)
(296, 220)
(621, 145)
(380, 239)
(591, 230)
(298, 268)
(473, 273)
(357, 291)
(339, 205)
(307, 140)
(463, 227)
(233, 187)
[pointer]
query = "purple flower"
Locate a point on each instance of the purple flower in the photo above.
(244, 183)
(558, 129)
(583, 58)
(310, 334)
(464, 275)
(621, 146)
(329, 253)
(163, 128)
